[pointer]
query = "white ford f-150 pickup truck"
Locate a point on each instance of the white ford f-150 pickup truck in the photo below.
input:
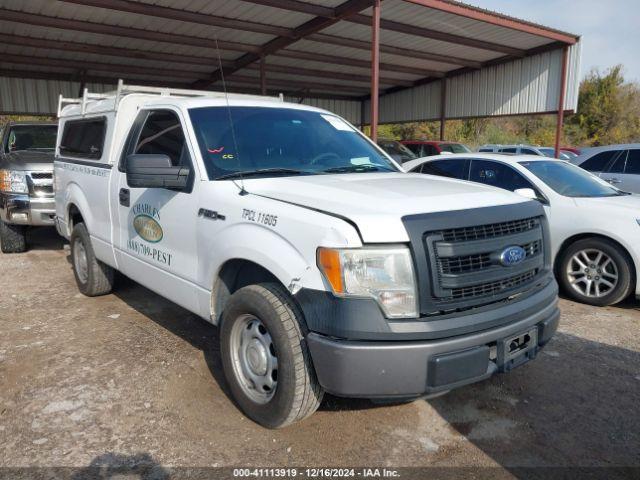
(324, 266)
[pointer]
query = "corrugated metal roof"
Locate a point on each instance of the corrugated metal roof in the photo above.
(157, 34)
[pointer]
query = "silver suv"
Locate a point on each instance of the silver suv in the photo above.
(26, 181)
(617, 164)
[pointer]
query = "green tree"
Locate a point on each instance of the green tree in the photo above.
(608, 108)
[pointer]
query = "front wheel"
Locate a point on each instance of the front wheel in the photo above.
(265, 357)
(596, 271)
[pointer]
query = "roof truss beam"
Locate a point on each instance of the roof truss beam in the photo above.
(494, 18)
(392, 50)
(185, 16)
(117, 52)
(114, 30)
(314, 25)
(436, 35)
(110, 69)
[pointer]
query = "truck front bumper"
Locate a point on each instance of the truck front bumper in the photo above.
(21, 209)
(406, 369)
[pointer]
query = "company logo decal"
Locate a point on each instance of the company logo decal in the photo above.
(146, 223)
(148, 228)
(512, 256)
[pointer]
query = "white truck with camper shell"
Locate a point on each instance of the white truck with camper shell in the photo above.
(324, 266)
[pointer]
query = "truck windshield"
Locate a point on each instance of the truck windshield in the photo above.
(569, 180)
(31, 137)
(281, 142)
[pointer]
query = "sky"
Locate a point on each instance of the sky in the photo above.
(610, 29)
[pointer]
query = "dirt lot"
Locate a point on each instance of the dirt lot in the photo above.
(131, 377)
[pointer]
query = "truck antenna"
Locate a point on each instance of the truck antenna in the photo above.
(233, 130)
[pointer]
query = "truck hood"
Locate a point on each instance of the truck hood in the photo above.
(30, 160)
(376, 202)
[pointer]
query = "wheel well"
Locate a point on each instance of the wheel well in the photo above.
(234, 275)
(74, 216)
(583, 236)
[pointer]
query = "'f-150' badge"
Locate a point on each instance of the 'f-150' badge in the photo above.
(512, 255)
(148, 228)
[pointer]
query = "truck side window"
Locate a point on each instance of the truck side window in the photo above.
(162, 134)
(498, 175)
(599, 162)
(83, 138)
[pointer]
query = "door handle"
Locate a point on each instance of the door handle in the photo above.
(614, 181)
(124, 197)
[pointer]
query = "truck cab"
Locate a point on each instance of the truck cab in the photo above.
(324, 266)
(26, 184)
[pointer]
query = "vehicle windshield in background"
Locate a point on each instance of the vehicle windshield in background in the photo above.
(281, 141)
(32, 137)
(454, 148)
(551, 153)
(397, 151)
(569, 180)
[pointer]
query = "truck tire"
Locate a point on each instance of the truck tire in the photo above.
(93, 277)
(13, 238)
(265, 357)
(596, 271)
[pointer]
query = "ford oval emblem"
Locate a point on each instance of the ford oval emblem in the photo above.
(512, 256)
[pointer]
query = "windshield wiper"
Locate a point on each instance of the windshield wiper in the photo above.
(264, 171)
(367, 167)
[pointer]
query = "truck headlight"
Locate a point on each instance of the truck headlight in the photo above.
(14, 182)
(382, 273)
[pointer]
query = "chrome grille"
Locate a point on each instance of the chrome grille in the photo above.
(41, 175)
(489, 231)
(40, 184)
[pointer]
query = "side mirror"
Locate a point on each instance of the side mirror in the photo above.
(532, 194)
(155, 171)
(527, 193)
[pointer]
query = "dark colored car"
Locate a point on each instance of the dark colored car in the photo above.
(396, 150)
(26, 181)
(427, 148)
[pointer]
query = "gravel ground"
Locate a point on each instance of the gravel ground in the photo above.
(130, 377)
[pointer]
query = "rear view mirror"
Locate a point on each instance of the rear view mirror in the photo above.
(155, 171)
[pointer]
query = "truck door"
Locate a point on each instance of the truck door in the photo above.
(156, 241)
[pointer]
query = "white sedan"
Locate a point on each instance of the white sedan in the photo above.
(594, 227)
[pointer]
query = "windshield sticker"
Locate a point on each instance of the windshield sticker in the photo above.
(215, 150)
(337, 123)
(360, 161)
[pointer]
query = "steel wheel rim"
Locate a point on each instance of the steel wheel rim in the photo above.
(254, 359)
(592, 273)
(80, 261)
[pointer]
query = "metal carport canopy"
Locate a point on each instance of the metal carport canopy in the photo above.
(436, 58)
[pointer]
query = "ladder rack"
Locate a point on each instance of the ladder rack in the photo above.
(123, 90)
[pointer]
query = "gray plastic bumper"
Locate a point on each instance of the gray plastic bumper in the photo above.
(415, 368)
